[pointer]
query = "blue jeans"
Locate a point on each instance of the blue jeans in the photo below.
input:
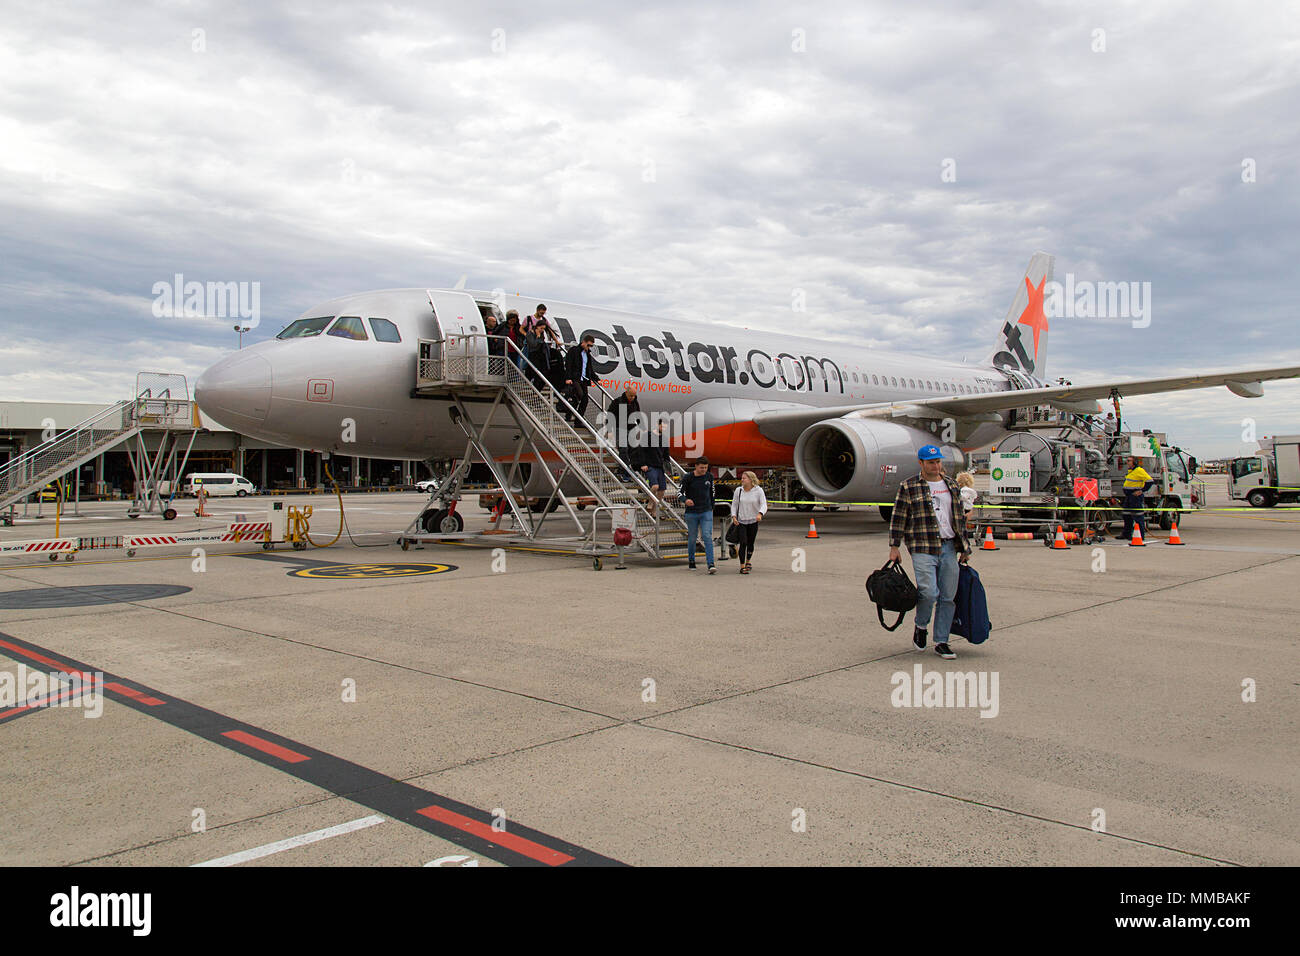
(936, 583)
(702, 521)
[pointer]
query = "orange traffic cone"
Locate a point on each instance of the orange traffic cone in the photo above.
(1173, 535)
(1136, 541)
(988, 540)
(812, 529)
(1059, 544)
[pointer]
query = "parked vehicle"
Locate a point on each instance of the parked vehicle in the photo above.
(218, 485)
(1269, 477)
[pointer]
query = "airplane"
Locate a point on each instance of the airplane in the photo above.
(848, 418)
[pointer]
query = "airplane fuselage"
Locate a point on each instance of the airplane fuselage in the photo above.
(352, 395)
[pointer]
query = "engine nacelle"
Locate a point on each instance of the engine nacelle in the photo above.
(857, 459)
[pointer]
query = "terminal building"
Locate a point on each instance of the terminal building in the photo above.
(109, 474)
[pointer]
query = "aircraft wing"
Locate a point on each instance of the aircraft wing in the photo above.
(785, 424)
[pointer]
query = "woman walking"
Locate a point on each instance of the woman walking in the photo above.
(748, 505)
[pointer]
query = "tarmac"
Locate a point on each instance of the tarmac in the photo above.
(523, 709)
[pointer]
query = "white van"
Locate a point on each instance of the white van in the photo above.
(218, 485)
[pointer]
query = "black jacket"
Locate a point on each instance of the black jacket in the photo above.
(699, 488)
(656, 456)
(573, 366)
(615, 412)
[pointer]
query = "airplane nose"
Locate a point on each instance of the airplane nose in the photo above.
(236, 391)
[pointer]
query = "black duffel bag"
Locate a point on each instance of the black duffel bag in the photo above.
(891, 590)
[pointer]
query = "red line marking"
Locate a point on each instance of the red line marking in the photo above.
(32, 655)
(275, 750)
(517, 843)
(133, 693)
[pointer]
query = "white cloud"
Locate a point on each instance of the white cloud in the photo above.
(680, 161)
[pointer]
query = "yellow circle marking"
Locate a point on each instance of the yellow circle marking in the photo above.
(356, 571)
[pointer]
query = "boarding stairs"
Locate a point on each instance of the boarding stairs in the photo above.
(459, 369)
(153, 408)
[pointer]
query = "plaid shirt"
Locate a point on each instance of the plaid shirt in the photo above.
(914, 521)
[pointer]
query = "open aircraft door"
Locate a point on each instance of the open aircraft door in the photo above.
(463, 341)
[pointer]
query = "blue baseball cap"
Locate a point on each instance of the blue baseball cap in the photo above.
(929, 453)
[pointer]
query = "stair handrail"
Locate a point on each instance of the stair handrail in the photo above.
(672, 462)
(24, 463)
(608, 448)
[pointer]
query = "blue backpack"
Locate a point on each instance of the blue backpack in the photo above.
(971, 617)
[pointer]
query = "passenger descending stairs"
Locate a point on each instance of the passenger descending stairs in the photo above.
(53, 459)
(597, 466)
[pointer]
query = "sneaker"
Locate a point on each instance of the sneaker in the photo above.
(919, 635)
(691, 565)
(944, 651)
(712, 569)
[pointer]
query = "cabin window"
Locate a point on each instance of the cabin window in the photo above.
(385, 331)
(303, 328)
(349, 327)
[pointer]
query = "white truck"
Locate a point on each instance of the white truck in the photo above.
(1269, 477)
(1176, 492)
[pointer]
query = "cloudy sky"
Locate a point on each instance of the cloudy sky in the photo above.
(897, 162)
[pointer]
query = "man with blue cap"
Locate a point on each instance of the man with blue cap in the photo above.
(928, 518)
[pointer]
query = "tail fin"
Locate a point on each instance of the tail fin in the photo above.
(1021, 343)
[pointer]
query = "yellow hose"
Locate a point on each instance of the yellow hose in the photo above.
(339, 493)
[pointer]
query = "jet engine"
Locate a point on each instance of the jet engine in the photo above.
(858, 459)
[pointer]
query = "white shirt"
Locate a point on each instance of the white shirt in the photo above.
(942, 498)
(746, 506)
(968, 496)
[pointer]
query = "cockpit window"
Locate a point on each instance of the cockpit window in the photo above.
(302, 328)
(385, 331)
(349, 327)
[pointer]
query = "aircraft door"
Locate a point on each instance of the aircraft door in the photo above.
(464, 345)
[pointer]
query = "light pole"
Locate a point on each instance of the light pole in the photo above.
(241, 329)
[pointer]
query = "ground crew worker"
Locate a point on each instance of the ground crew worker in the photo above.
(1136, 482)
(929, 518)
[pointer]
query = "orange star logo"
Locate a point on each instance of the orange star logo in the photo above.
(1034, 316)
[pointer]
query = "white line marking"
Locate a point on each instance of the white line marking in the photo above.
(280, 846)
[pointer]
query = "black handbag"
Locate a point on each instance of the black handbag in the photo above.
(891, 590)
(733, 534)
